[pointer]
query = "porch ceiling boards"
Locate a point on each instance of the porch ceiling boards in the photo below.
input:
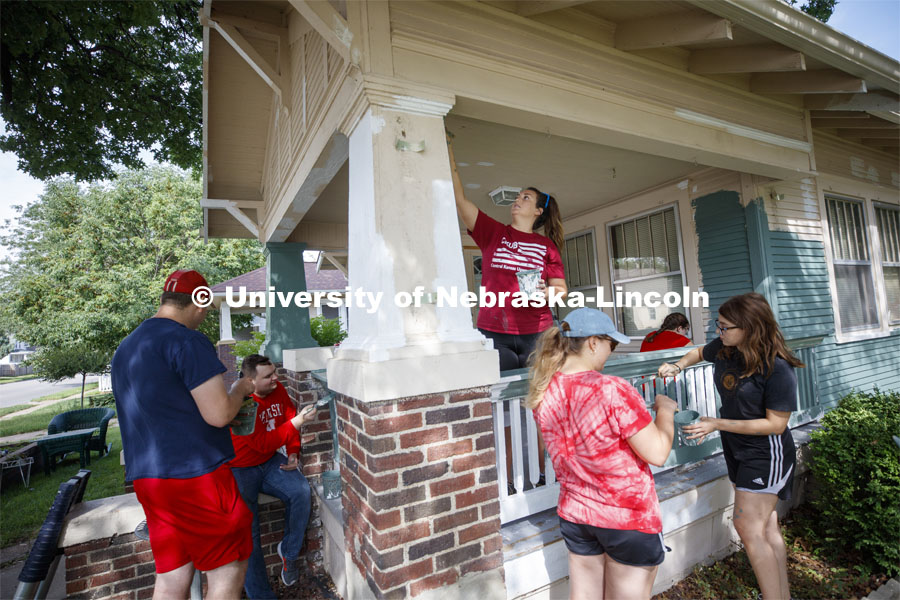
(760, 63)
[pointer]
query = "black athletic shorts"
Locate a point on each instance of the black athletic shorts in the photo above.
(768, 469)
(629, 547)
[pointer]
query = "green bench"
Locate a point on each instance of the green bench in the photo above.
(83, 419)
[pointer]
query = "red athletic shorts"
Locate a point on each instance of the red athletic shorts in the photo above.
(202, 520)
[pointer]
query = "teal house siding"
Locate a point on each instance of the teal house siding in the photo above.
(802, 295)
(723, 251)
(863, 365)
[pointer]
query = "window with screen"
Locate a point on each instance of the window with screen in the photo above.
(645, 258)
(887, 220)
(852, 264)
(580, 264)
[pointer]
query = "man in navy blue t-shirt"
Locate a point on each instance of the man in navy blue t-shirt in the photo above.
(174, 412)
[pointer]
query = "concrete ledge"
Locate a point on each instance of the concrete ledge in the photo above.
(413, 376)
(103, 518)
(334, 557)
(306, 359)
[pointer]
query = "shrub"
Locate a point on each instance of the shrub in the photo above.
(247, 347)
(857, 468)
(327, 332)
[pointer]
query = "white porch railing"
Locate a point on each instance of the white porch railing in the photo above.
(522, 493)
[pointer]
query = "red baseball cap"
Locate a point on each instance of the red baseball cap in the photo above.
(184, 282)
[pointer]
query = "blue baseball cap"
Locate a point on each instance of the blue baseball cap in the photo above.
(585, 322)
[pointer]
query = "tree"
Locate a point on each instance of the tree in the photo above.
(87, 85)
(91, 262)
(60, 362)
(820, 9)
(5, 344)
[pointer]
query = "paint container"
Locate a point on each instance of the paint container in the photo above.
(683, 418)
(528, 281)
(247, 419)
(331, 484)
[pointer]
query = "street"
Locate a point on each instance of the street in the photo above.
(21, 392)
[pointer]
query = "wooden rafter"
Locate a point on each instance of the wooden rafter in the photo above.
(825, 81)
(873, 101)
(672, 30)
(262, 29)
(328, 23)
(872, 134)
(864, 123)
(838, 114)
(235, 209)
(746, 59)
(881, 143)
(250, 55)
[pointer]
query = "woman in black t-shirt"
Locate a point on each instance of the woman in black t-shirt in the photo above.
(754, 375)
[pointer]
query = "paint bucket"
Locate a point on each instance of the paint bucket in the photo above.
(331, 484)
(683, 418)
(247, 419)
(528, 281)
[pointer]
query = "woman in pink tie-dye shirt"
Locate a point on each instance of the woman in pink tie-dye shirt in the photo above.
(601, 438)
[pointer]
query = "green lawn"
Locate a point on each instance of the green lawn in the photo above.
(22, 511)
(39, 419)
(11, 409)
(17, 378)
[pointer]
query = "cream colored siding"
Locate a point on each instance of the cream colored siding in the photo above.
(793, 206)
(495, 40)
(837, 156)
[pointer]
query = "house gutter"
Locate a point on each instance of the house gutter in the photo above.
(790, 27)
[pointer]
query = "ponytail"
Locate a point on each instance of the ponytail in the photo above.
(551, 351)
(550, 219)
(547, 358)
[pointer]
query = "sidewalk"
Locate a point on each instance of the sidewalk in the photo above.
(13, 559)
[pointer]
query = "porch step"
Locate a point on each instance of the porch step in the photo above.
(534, 554)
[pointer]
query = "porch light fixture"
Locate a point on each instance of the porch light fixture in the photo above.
(504, 195)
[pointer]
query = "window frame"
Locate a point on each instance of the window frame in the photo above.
(661, 208)
(868, 199)
(586, 290)
(876, 204)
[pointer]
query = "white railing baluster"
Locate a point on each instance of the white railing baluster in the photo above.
(710, 391)
(515, 421)
(500, 449)
(534, 471)
(549, 473)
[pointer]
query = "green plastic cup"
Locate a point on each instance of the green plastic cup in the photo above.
(683, 418)
(247, 418)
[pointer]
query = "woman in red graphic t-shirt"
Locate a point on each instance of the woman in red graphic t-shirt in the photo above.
(506, 250)
(601, 438)
(671, 334)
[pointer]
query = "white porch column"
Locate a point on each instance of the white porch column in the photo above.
(404, 233)
(225, 333)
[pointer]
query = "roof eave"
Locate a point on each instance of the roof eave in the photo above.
(795, 29)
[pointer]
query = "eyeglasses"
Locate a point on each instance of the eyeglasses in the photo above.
(724, 329)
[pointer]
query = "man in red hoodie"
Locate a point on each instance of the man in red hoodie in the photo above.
(259, 467)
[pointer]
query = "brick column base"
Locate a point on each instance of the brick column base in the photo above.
(420, 497)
